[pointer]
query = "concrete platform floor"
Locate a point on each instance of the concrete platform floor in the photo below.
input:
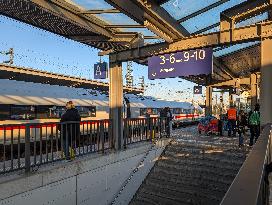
(194, 169)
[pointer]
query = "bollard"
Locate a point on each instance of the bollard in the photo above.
(27, 149)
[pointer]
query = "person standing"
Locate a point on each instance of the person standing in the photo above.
(70, 131)
(232, 117)
(168, 121)
(254, 124)
(241, 123)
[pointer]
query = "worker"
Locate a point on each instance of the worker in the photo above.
(232, 117)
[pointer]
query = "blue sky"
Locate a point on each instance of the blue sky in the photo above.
(39, 49)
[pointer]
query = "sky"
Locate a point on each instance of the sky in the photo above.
(42, 50)
(39, 49)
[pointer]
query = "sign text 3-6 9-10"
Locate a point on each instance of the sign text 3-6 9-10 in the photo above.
(179, 64)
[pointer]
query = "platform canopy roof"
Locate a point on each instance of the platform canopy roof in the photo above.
(133, 30)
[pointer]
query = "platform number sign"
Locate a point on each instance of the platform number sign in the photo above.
(197, 89)
(181, 64)
(100, 70)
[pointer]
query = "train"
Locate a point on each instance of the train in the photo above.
(26, 102)
(43, 105)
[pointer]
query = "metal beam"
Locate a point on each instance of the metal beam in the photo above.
(101, 11)
(208, 101)
(223, 67)
(232, 82)
(152, 37)
(160, 2)
(124, 26)
(253, 90)
(65, 19)
(239, 35)
(72, 12)
(38, 76)
(206, 29)
(88, 38)
(149, 13)
(247, 9)
(203, 10)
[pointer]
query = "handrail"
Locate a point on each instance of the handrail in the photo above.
(29, 145)
(249, 186)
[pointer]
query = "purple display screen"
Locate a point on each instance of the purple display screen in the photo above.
(100, 70)
(179, 64)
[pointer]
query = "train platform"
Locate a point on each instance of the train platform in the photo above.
(193, 169)
(187, 168)
(99, 178)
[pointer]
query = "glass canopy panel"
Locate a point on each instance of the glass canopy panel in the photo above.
(234, 48)
(111, 18)
(144, 31)
(181, 8)
(116, 19)
(92, 4)
(253, 20)
(208, 18)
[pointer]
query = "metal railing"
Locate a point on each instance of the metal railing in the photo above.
(27, 146)
(251, 186)
(144, 129)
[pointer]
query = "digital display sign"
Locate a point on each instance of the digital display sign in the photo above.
(100, 70)
(180, 64)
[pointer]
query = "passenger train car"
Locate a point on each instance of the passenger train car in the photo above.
(26, 102)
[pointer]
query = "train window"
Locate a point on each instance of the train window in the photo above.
(22, 112)
(143, 111)
(49, 111)
(86, 111)
(56, 111)
(177, 111)
(4, 112)
(42, 111)
(154, 111)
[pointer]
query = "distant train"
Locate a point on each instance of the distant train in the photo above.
(26, 102)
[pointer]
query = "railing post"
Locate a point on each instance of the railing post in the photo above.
(27, 149)
(102, 135)
(160, 126)
(125, 132)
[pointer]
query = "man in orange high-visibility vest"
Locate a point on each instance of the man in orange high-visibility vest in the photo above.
(232, 118)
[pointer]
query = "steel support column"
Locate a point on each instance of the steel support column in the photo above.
(266, 81)
(208, 102)
(116, 103)
(253, 90)
(230, 99)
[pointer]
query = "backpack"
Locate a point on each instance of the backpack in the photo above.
(254, 118)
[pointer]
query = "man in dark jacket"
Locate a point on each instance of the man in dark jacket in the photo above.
(241, 122)
(168, 121)
(70, 131)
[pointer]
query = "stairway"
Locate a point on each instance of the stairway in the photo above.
(191, 174)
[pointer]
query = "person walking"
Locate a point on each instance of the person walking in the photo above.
(70, 131)
(241, 124)
(254, 124)
(232, 117)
